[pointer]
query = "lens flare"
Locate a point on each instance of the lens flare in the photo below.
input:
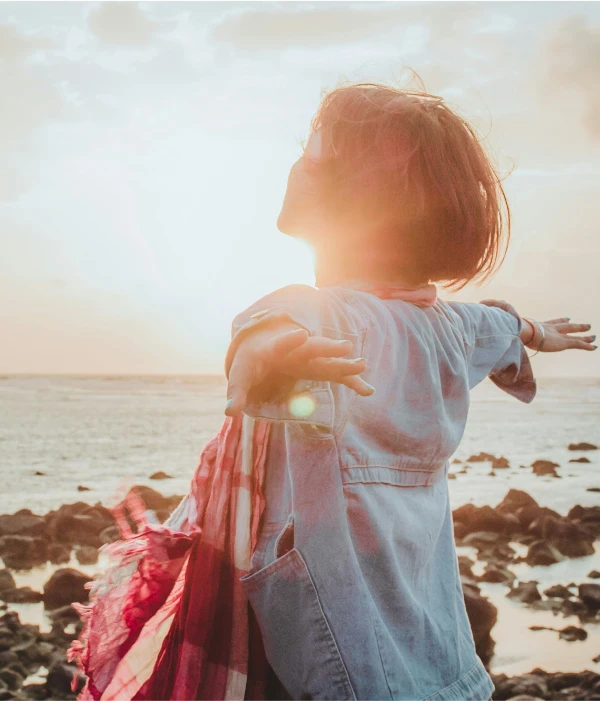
(302, 406)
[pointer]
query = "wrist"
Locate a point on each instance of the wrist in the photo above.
(528, 332)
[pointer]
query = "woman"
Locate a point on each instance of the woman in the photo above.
(353, 578)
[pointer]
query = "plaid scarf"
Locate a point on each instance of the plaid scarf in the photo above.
(169, 619)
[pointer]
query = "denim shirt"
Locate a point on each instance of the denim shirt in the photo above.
(354, 580)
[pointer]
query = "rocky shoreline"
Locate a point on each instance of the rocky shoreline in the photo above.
(33, 664)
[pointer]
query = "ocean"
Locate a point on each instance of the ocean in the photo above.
(109, 433)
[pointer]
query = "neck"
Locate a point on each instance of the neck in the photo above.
(333, 266)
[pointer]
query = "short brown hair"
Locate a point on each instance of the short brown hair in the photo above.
(419, 175)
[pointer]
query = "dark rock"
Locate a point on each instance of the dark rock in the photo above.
(594, 574)
(460, 531)
(155, 500)
(37, 692)
(464, 566)
(58, 554)
(572, 633)
(481, 457)
(456, 461)
(12, 678)
(574, 607)
(590, 595)
(7, 581)
(527, 592)
(596, 659)
(582, 446)
(64, 587)
(544, 467)
(451, 476)
(593, 489)
(570, 538)
(22, 523)
(160, 475)
(480, 518)
(64, 615)
(110, 535)
(558, 591)
(60, 676)
(86, 555)
(79, 524)
(542, 553)
(500, 463)
(563, 680)
(21, 595)
(527, 684)
(37, 473)
(82, 488)
(482, 617)
(514, 500)
(496, 574)
(491, 473)
(21, 552)
(581, 459)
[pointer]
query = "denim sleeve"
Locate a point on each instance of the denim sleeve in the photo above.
(280, 398)
(495, 350)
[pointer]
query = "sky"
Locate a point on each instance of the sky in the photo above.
(145, 150)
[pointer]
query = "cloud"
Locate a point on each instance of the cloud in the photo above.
(29, 101)
(123, 24)
(279, 27)
(16, 46)
(572, 60)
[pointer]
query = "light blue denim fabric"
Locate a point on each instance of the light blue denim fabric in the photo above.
(355, 580)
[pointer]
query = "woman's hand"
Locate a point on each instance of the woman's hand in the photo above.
(557, 337)
(288, 350)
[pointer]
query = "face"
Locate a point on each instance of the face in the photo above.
(301, 214)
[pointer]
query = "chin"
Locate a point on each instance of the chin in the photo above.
(285, 224)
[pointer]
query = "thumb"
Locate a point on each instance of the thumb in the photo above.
(238, 386)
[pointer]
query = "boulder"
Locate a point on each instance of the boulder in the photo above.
(572, 633)
(154, 500)
(86, 555)
(482, 617)
(110, 535)
(558, 591)
(22, 523)
(569, 538)
(480, 518)
(582, 446)
(7, 581)
(525, 685)
(58, 554)
(79, 524)
(13, 679)
(594, 574)
(160, 475)
(481, 457)
(514, 500)
(22, 552)
(527, 592)
(542, 553)
(497, 574)
(21, 595)
(544, 467)
(64, 587)
(500, 463)
(60, 676)
(589, 593)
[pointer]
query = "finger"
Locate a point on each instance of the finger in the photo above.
(579, 344)
(332, 370)
(286, 342)
(364, 389)
(572, 328)
(239, 384)
(562, 320)
(319, 347)
(587, 339)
